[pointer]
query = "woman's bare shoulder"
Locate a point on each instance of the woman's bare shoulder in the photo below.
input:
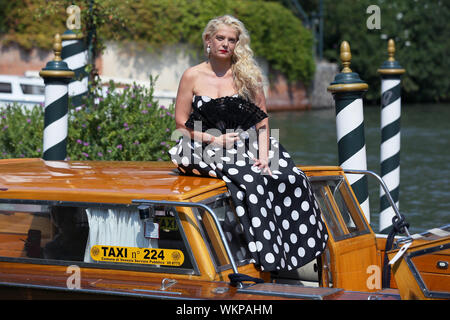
(193, 72)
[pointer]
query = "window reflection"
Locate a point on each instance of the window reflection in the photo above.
(232, 228)
(68, 233)
(341, 213)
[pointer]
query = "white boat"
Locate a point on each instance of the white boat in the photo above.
(23, 90)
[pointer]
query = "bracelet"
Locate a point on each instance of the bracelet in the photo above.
(210, 140)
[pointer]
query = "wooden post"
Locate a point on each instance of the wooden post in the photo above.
(348, 90)
(390, 72)
(56, 76)
(75, 54)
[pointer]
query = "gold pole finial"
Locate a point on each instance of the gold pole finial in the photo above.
(391, 50)
(57, 47)
(346, 57)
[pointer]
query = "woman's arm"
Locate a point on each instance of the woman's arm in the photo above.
(262, 128)
(183, 108)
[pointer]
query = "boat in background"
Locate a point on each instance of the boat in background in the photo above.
(28, 90)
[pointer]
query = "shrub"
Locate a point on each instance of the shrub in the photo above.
(276, 34)
(128, 125)
(21, 131)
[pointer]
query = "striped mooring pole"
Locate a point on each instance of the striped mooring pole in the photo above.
(56, 76)
(75, 54)
(348, 90)
(390, 72)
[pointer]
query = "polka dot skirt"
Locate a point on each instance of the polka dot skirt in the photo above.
(279, 214)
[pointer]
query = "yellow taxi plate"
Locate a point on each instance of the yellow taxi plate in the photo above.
(166, 257)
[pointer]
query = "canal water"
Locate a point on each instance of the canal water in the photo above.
(310, 137)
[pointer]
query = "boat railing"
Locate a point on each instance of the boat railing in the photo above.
(153, 203)
(386, 191)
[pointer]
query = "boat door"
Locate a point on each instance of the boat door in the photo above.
(350, 260)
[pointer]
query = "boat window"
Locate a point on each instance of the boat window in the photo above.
(223, 207)
(321, 191)
(343, 217)
(5, 87)
(32, 89)
(116, 236)
(350, 212)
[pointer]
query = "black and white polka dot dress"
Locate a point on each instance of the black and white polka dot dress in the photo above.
(279, 213)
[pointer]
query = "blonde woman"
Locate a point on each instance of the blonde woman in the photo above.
(221, 112)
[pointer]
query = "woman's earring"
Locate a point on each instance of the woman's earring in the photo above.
(208, 50)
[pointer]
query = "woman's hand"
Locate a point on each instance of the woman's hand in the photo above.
(226, 140)
(262, 164)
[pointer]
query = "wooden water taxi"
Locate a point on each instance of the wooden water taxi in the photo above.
(88, 229)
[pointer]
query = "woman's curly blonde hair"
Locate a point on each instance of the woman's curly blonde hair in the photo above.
(247, 75)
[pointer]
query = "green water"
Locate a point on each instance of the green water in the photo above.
(310, 137)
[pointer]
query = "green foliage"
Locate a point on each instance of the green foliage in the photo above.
(277, 35)
(420, 32)
(128, 125)
(21, 131)
(280, 37)
(33, 23)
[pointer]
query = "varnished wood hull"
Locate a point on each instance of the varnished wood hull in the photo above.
(422, 273)
(19, 283)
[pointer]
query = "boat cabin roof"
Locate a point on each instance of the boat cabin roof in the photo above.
(102, 181)
(98, 181)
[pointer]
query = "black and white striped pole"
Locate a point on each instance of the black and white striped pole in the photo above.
(348, 90)
(56, 76)
(75, 54)
(390, 72)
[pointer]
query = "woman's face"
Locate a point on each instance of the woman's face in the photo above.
(223, 42)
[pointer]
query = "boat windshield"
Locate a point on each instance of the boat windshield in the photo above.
(342, 215)
(223, 207)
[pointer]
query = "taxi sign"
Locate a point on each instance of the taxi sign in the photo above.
(168, 223)
(166, 257)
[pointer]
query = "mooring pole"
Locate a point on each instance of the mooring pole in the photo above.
(348, 90)
(75, 54)
(56, 76)
(390, 72)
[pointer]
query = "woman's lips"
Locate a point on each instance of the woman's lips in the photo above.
(223, 51)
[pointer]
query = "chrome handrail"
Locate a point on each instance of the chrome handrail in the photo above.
(386, 191)
(207, 209)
